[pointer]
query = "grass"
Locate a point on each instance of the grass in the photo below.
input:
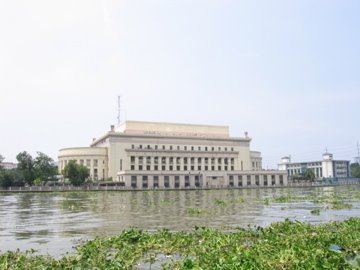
(282, 245)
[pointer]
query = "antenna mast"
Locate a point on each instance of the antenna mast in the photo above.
(357, 159)
(118, 116)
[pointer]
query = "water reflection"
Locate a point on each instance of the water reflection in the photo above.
(53, 222)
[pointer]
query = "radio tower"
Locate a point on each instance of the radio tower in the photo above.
(119, 104)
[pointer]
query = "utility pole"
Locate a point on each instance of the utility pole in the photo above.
(119, 105)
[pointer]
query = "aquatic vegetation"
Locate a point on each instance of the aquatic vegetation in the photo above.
(197, 211)
(337, 205)
(315, 211)
(282, 245)
(220, 202)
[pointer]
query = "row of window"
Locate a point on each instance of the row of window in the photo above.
(181, 148)
(178, 160)
(86, 162)
(181, 168)
(241, 180)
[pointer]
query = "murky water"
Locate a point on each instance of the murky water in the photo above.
(55, 222)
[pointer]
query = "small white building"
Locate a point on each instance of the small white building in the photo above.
(325, 168)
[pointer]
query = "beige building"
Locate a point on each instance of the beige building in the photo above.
(167, 155)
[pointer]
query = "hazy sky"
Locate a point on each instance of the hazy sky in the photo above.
(288, 72)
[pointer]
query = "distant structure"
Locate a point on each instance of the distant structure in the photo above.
(325, 168)
(9, 165)
(168, 155)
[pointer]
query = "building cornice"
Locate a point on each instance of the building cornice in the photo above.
(123, 135)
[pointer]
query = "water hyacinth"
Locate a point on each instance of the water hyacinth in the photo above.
(282, 245)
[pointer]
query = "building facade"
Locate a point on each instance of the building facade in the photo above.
(167, 155)
(325, 168)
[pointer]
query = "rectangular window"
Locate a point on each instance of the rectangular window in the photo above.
(185, 168)
(140, 167)
(132, 167)
(192, 168)
(140, 146)
(95, 162)
(132, 159)
(156, 167)
(257, 180)
(156, 147)
(248, 183)
(199, 168)
(140, 160)
(148, 160)
(178, 168)
(163, 167)
(81, 162)
(281, 180)
(144, 181)
(273, 180)
(170, 147)
(240, 181)
(163, 160)
(231, 180)
(219, 168)
(185, 148)
(120, 164)
(199, 148)
(156, 160)
(88, 164)
(148, 167)
(206, 168)
(170, 168)
(156, 181)
(133, 181)
(163, 147)
(192, 148)
(166, 181)
(132, 146)
(225, 168)
(197, 181)
(177, 181)
(187, 181)
(206, 148)
(213, 168)
(232, 168)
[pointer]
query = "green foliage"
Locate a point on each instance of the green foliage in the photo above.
(1, 161)
(309, 174)
(26, 167)
(355, 170)
(10, 178)
(77, 174)
(44, 167)
(283, 245)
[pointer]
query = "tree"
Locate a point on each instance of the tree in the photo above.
(355, 170)
(44, 167)
(77, 174)
(10, 178)
(309, 174)
(26, 167)
(1, 161)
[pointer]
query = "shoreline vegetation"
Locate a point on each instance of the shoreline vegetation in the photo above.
(282, 245)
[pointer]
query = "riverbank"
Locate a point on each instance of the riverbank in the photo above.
(120, 188)
(282, 245)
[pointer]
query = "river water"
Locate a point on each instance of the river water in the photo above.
(53, 223)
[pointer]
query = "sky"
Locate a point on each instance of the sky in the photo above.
(286, 72)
